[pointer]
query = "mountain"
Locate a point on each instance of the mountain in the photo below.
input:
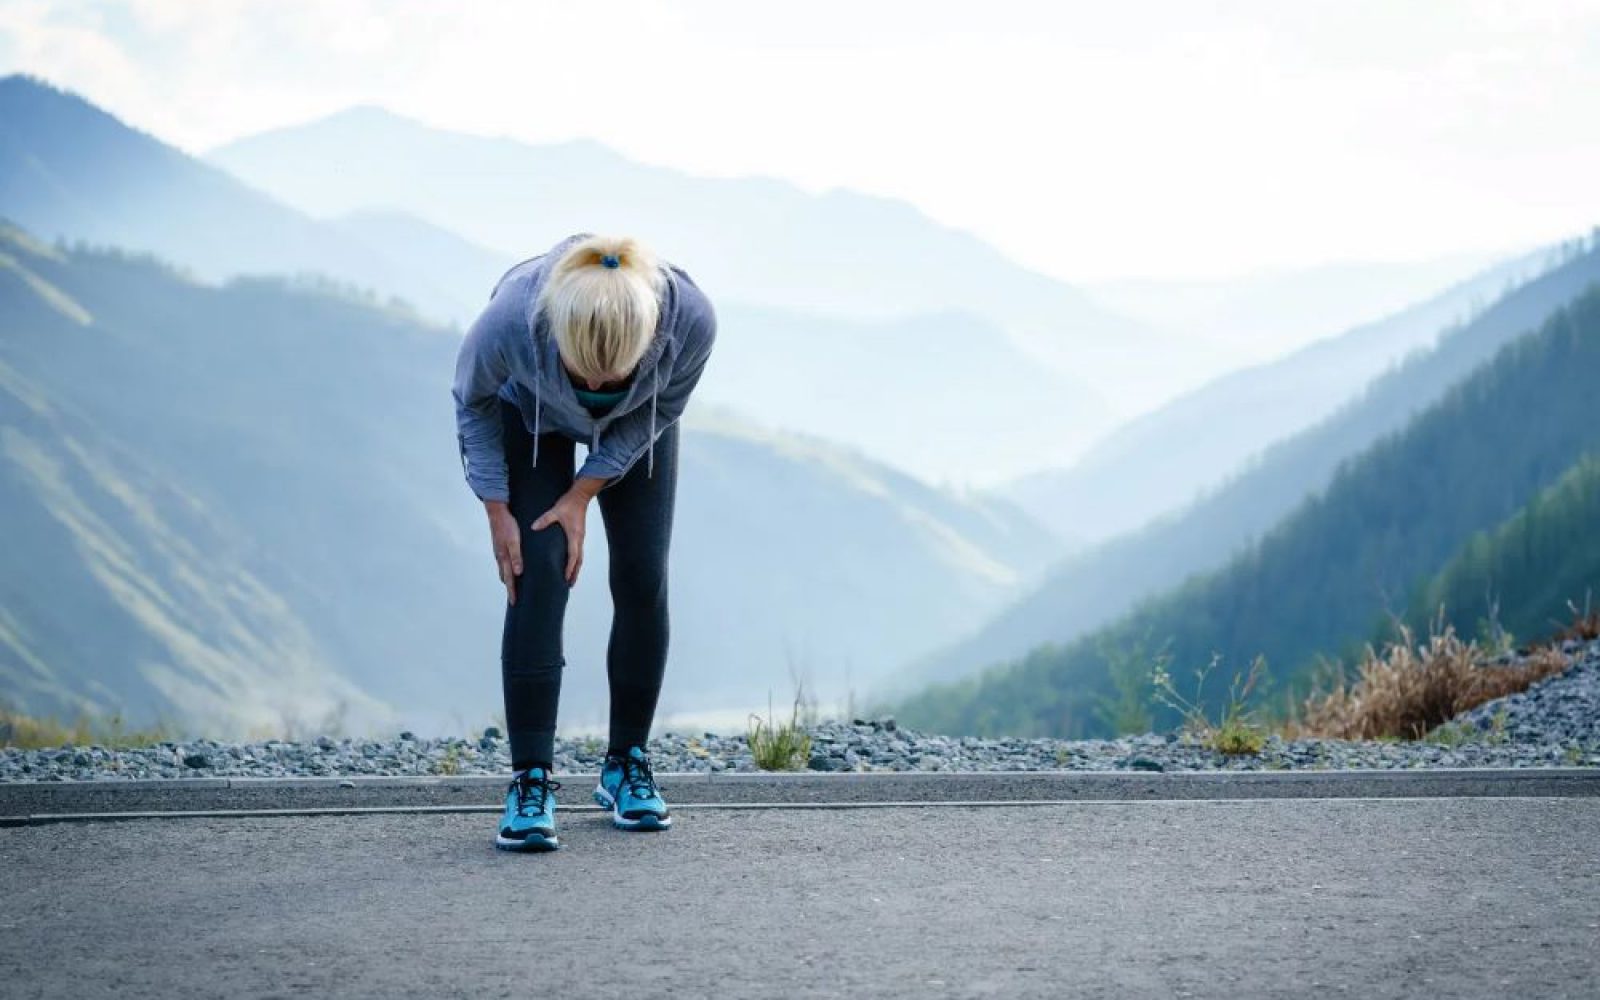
(71, 171)
(1320, 582)
(1138, 472)
(241, 507)
(431, 257)
(1099, 584)
(756, 240)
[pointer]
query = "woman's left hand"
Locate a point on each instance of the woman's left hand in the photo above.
(570, 512)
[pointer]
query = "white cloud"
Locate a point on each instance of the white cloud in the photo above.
(1088, 139)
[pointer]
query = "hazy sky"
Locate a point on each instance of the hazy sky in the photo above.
(1088, 140)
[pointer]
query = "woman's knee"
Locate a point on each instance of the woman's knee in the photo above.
(544, 554)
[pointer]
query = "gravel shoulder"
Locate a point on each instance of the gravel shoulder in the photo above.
(1555, 723)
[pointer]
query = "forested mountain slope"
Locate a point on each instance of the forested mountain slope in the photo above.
(1319, 582)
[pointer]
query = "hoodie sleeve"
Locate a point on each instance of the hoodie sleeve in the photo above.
(627, 438)
(481, 369)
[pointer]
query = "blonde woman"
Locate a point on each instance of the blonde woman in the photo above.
(595, 341)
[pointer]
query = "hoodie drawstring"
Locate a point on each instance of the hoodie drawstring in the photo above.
(538, 405)
(650, 463)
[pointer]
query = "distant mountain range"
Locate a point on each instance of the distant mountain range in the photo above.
(241, 506)
(1100, 584)
(753, 240)
(1162, 461)
(1508, 449)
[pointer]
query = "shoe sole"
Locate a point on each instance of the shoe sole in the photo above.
(533, 842)
(605, 801)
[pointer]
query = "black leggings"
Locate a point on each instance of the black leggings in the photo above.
(637, 512)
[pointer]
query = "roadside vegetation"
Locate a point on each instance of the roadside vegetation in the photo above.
(27, 732)
(782, 746)
(1404, 689)
(1235, 731)
(1409, 689)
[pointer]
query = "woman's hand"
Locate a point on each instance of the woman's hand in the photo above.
(507, 538)
(570, 512)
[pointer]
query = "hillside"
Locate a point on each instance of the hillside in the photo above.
(1524, 572)
(1319, 581)
(1136, 474)
(69, 170)
(1094, 587)
(242, 504)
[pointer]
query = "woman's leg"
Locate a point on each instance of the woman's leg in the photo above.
(638, 518)
(531, 658)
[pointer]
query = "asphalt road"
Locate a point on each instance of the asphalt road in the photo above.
(1291, 898)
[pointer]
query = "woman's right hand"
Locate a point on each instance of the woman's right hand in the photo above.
(507, 537)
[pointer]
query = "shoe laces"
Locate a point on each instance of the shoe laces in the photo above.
(533, 793)
(637, 776)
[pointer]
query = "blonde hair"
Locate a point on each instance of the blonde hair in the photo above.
(602, 300)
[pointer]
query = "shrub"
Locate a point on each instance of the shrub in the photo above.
(1409, 689)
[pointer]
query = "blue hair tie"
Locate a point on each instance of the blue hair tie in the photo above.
(610, 260)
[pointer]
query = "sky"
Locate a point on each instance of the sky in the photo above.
(1088, 141)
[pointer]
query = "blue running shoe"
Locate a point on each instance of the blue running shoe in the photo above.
(529, 823)
(628, 788)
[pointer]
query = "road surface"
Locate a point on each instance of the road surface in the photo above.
(1436, 897)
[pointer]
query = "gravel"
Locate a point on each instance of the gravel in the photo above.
(1553, 723)
(1559, 710)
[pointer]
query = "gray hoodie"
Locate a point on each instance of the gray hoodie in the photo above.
(510, 353)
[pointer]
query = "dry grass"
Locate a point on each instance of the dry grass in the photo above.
(1585, 624)
(28, 732)
(1409, 688)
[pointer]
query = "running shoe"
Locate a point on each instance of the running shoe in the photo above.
(628, 788)
(529, 823)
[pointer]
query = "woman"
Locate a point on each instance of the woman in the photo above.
(593, 341)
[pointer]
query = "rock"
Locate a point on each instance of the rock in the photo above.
(408, 736)
(196, 760)
(1146, 764)
(823, 762)
(491, 733)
